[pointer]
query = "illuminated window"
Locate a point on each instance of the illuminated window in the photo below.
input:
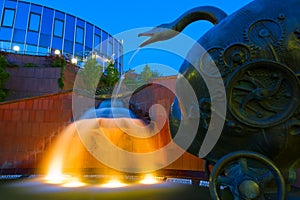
(58, 28)
(79, 35)
(8, 17)
(34, 22)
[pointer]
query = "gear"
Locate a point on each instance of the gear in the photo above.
(268, 35)
(235, 55)
(265, 32)
(262, 94)
(209, 61)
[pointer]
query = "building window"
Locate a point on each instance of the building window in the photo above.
(34, 22)
(110, 47)
(58, 28)
(79, 35)
(8, 17)
(97, 41)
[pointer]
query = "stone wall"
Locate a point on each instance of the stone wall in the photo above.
(38, 79)
(28, 128)
(20, 60)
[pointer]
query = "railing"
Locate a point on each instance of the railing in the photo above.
(78, 59)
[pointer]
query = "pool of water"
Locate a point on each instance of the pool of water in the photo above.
(34, 188)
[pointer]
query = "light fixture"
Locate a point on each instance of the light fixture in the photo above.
(94, 55)
(114, 183)
(74, 60)
(149, 179)
(57, 52)
(16, 48)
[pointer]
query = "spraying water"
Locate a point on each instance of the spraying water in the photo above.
(134, 54)
(117, 90)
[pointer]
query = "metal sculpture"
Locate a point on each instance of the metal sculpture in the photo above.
(257, 52)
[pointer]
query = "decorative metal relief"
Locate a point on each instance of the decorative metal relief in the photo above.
(263, 94)
(209, 61)
(265, 31)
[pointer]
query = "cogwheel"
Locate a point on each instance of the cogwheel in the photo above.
(262, 94)
(266, 32)
(236, 54)
(209, 61)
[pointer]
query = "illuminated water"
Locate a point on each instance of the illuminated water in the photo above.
(69, 155)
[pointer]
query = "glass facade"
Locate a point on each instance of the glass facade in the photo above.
(79, 35)
(58, 28)
(8, 17)
(34, 22)
(39, 30)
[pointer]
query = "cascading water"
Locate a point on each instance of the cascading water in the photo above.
(109, 125)
(135, 52)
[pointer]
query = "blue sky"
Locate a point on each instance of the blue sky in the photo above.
(125, 17)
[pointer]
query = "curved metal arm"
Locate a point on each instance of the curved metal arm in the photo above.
(208, 13)
(167, 31)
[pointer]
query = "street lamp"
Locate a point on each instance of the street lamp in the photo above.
(74, 61)
(57, 52)
(16, 48)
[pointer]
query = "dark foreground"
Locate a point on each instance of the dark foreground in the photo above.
(33, 189)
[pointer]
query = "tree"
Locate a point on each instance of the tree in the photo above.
(90, 76)
(110, 77)
(132, 80)
(147, 74)
(94, 81)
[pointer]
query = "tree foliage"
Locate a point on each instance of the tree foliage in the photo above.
(95, 81)
(90, 76)
(147, 74)
(110, 76)
(4, 76)
(134, 80)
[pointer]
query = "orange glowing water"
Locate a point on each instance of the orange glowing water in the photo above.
(68, 156)
(149, 179)
(113, 183)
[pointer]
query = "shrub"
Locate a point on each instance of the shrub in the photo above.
(59, 62)
(3, 61)
(60, 83)
(30, 65)
(4, 76)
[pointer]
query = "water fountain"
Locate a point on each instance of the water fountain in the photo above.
(259, 69)
(73, 170)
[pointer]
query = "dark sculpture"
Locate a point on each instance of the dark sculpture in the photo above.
(257, 52)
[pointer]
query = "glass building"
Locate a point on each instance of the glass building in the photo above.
(34, 29)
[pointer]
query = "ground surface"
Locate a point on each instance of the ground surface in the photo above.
(35, 190)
